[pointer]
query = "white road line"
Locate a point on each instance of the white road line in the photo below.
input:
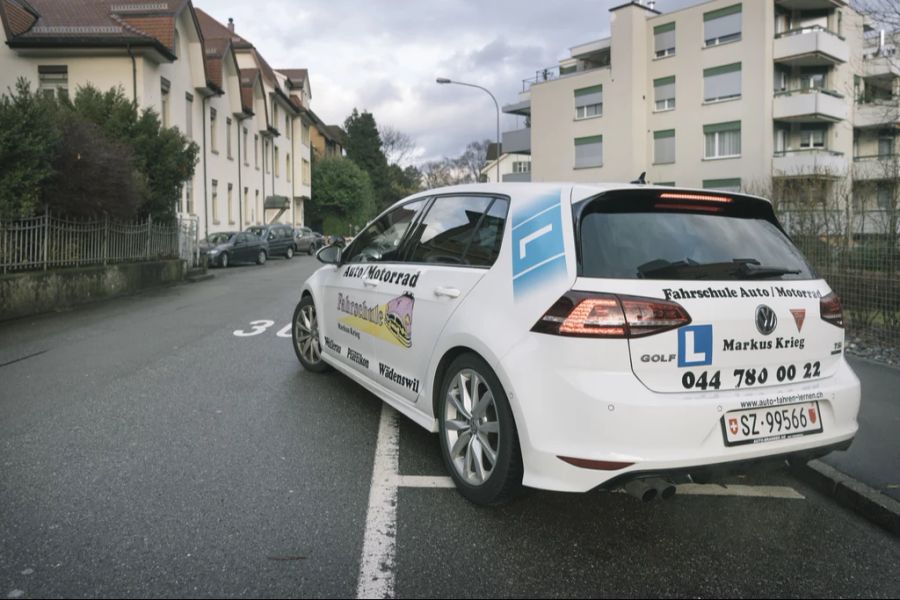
(752, 491)
(376, 568)
(424, 481)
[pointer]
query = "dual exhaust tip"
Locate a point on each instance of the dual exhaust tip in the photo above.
(650, 488)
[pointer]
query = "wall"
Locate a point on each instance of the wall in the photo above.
(23, 294)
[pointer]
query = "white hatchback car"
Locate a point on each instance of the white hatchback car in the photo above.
(568, 337)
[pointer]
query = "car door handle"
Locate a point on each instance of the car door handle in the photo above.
(370, 282)
(447, 291)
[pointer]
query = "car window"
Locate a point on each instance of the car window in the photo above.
(633, 235)
(485, 244)
(446, 231)
(381, 241)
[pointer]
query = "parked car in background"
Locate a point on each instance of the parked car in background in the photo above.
(307, 240)
(227, 247)
(279, 237)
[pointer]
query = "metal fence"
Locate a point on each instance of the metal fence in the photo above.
(858, 253)
(48, 242)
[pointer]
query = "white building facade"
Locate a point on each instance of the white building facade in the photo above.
(199, 76)
(725, 94)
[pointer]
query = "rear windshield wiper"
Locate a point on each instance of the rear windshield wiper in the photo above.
(749, 268)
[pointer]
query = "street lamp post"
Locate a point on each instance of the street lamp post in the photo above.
(444, 80)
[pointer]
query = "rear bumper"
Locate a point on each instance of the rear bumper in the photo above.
(579, 411)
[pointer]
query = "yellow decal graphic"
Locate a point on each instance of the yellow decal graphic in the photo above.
(391, 322)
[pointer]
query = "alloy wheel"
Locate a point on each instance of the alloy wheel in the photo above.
(472, 427)
(307, 334)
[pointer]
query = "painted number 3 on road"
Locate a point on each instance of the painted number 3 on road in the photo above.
(261, 326)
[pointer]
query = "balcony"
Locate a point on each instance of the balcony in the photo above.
(517, 177)
(810, 47)
(517, 141)
(877, 114)
(877, 167)
(810, 106)
(882, 67)
(811, 161)
(810, 4)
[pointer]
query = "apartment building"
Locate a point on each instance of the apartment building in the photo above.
(251, 121)
(726, 94)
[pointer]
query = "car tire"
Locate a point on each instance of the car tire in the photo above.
(289, 253)
(312, 249)
(305, 336)
(261, 257)
(223, 260)
(468, 439)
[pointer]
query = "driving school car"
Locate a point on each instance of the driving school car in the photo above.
(569, 337)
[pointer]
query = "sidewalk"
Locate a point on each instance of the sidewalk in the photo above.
(867, 476)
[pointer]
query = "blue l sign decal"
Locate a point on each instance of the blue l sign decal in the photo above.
(695, 346)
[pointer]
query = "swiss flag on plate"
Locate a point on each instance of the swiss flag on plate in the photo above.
(733, 426)
(812, 415)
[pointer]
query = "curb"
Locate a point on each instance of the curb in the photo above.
(199, 278)
(850, 493)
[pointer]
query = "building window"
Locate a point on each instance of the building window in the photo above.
(230, 204)
(266, 165)
(884, 195)
(725, 185)
(723, 25)
(885, 145)
(256, 150)
(274, 113)
(589, 151)
(228, 138)
(665, 183)
(812, 79)
(246, 158)
(53, 80)
(164, 87)
(215, 201)
(277, 162)
(521, 166)
(664, 39)
(246, 206)
(589, 102)
(189, 197)
(305, 172)
(664, 147)
(722, 83)
(723, 140)
(304, 134)
(189, 116)
(287, 126)
(664, 93)
(812, 137)
(255, 207)
(287, 167)
(212, 131)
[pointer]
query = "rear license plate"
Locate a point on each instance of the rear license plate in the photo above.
(769, 424)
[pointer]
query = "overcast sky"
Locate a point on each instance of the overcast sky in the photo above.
(384, 55)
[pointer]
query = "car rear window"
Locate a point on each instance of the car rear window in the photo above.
(654, 234)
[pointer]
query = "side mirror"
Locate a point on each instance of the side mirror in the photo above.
(330, 255)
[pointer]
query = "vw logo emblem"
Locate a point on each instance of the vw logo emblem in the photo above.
(765, 319)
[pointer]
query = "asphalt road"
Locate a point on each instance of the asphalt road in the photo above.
(148, 451)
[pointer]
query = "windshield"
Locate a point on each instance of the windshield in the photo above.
(635, 235)
(219, 238)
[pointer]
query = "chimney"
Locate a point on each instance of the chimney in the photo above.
(230, 24)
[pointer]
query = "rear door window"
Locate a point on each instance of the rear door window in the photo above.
(638, 234)
(460, 230)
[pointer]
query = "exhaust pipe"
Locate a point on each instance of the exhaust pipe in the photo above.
(641, 489)
(665, 489)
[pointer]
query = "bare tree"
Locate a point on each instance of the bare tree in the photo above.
(396, 145)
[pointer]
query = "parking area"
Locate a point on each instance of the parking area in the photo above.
(169, 444)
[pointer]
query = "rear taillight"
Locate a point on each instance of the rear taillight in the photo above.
(831, 310)
(584, 314)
